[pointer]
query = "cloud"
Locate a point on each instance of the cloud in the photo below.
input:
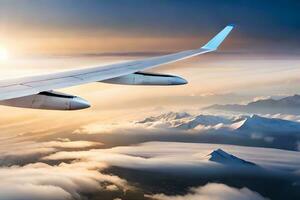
(295, 118)
(73, 174)
(30, 151)
(32, 192)
(76, 165)
(213, 191)
(176, 155)
(65, 181)
(70, 144)
(187, 165)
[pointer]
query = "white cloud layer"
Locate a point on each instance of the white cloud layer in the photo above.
(162, 155)
(214, 191)
(83, 172)
(26, 151)
(65, 181)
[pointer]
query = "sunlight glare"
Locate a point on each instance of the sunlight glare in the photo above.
(3, 54)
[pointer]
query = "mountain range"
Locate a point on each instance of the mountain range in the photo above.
(185, 121)
(247, 123)
(169, 116)
(287, 105)
(204, 120)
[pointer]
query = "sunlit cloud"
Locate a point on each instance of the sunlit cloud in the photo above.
(42, 181)
(29, 151)
(213, 191)
(76, 172)
(171, 155)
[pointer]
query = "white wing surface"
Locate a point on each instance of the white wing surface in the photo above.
(20, 87)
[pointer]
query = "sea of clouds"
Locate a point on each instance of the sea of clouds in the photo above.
(172, 150)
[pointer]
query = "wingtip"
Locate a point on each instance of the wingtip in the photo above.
(216, 41)
(232, 25)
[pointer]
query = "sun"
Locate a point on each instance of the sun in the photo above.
(3, 54)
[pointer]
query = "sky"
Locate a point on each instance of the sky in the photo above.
(159, 25)
(115, 149)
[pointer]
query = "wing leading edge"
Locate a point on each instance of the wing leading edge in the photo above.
(20, 87)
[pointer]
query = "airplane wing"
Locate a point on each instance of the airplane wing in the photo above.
(21, 87)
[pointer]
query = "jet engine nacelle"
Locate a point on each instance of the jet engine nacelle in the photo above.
(48, 100)
(142, 78)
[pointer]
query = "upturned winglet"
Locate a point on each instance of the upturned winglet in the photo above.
(215, 42)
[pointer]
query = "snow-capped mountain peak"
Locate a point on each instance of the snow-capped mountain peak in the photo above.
(169, 116)
(225, 158)
(204, 120)
(262, 124)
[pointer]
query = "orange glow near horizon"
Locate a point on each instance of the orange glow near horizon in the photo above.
(32, 41)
